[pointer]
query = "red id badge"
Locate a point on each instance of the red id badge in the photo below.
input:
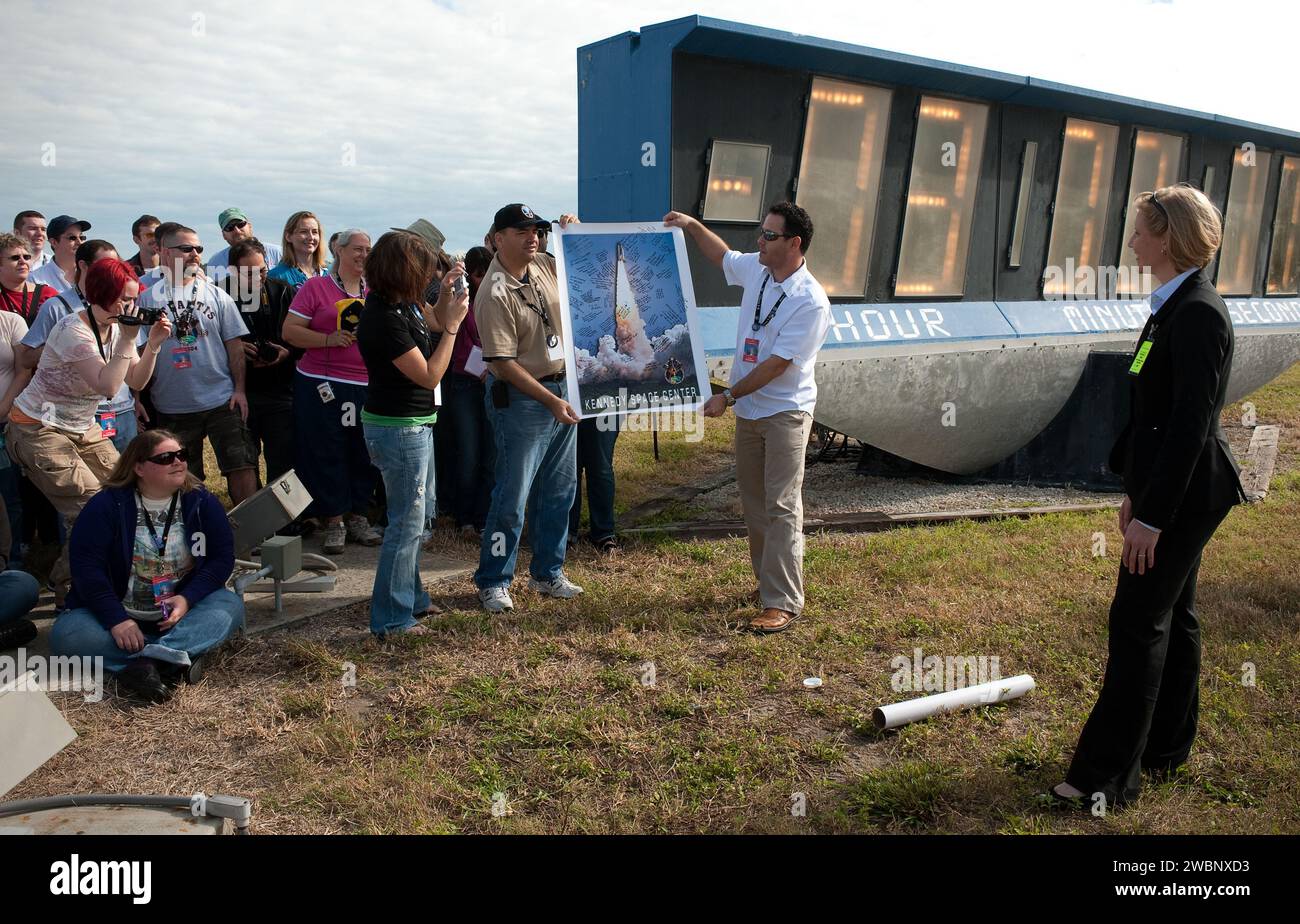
(164, 586)
(107, 421)
(750, 354)
(181, 357)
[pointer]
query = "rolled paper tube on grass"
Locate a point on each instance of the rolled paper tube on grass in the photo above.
(982, 694)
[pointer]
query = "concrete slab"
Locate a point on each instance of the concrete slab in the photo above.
(114, 819)
(353, 583)
(1261, 459)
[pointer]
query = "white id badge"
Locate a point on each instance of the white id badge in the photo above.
(326, 392)
(474, 364)
(555, 352)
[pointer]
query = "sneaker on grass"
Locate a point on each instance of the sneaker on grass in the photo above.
(561, 587)
(495, 599)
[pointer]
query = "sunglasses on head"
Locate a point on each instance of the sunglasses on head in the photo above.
(167, 458)
(771, 235)
(1156, 203)
(188, 248)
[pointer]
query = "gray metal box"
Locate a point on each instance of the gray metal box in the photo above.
(284, 555)
(271, 508)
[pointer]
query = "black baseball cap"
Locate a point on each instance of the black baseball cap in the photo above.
(518, 215)
(63, 223)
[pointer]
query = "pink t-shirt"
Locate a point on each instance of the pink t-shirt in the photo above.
(327, 307)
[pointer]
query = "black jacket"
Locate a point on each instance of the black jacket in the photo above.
(266, 323)
(1172, 454)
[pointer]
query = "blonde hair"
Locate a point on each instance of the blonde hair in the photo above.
(10, 241)
(289, 255)
(1193, 223)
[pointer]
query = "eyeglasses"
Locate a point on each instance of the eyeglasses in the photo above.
(186, 248)
(20, 257)
(80, 238)
(771, 235)
(167, 458)
(234, 225)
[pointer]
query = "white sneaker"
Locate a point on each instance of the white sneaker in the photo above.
(561, 587)
(495, 599)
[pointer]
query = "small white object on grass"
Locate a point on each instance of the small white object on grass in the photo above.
(981, 694)
(812, 682)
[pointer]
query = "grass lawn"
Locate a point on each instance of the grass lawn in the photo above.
(634, 708)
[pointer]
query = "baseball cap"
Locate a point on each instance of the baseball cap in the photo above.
(518, 215)
(229, 215)
(62, 223)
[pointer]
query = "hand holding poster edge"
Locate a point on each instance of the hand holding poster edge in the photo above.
(569, 276)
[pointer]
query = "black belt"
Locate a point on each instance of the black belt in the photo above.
(557, 377)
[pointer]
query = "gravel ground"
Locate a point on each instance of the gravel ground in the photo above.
(834, 487)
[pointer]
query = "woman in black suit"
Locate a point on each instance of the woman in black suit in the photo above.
(1180, 480)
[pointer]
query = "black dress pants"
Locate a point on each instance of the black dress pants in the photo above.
(1145, 716)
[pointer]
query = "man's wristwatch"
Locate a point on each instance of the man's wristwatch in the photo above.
(728, 397)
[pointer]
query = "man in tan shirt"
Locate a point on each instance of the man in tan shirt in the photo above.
(517, 310)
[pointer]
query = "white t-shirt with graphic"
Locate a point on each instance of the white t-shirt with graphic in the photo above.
(147, 565)
(57, 395)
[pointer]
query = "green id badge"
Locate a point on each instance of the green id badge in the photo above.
(1141, 357)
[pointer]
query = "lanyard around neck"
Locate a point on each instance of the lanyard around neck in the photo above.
(159, 544)
(757, 325)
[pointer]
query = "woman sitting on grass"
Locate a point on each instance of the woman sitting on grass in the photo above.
(150, 555)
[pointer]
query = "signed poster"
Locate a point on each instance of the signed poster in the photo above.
(634, 342)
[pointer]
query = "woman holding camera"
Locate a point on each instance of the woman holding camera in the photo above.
(151, 554)
(52, 433)
(406, 356)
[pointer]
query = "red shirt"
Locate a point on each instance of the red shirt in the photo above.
(25, 303)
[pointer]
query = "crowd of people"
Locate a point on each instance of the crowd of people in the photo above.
(369, 373)
(358, 364)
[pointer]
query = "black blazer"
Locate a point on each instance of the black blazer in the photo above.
(1172, 453)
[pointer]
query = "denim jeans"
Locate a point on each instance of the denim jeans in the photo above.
(209, 623)
(532, 447)
(467, 447)
(404, 457)
(127, 428)
(331, 458)
(596, 458)
(19, 592)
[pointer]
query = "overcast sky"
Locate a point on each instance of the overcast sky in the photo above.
(456, 107)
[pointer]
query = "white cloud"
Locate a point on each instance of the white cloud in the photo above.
(456, 108)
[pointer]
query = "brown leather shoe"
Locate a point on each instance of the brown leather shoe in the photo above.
(773, 621)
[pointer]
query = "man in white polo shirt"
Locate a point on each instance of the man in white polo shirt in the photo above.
(784, 317)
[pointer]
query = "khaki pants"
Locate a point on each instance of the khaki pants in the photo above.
(68, 469)
(769, 474)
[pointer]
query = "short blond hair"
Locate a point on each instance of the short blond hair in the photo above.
(10, 241)
(1193, 222)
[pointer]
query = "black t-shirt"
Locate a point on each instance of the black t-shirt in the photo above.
(266, 323)
(386, 332)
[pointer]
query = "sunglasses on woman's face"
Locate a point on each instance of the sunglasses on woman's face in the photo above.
(20, 258)
(167, 458)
